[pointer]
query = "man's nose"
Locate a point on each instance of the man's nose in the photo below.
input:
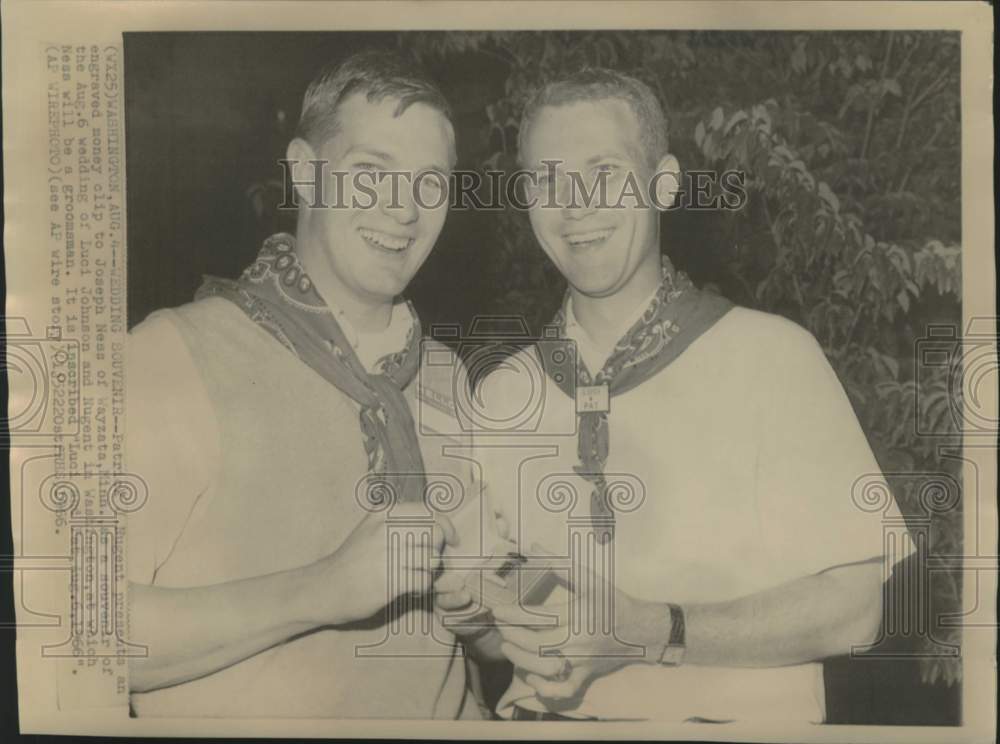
(401, 207)
(573, 204)
(578, 210)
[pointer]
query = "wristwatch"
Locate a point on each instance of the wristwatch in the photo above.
(673, 653)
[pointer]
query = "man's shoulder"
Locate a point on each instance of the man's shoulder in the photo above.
(747, 333)
(166, 400)
(759, 324)
(214, 333)
(203, 313)
(165, 353)
(146, 341)
(768, 351)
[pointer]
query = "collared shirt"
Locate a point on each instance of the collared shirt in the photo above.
(370, 346)
(594, 354)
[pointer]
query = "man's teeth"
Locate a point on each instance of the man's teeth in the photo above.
(594, 236)
(384, 240)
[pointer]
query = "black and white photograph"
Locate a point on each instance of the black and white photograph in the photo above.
(588, 375)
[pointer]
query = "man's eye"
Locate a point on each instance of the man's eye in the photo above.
(433, 181)
(606, 168)
(367, 166)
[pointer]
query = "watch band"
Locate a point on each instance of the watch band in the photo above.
(673, 653)
(677, 629)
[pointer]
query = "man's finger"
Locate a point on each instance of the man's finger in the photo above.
(534, 617)
(451, 600)
(546, 666)
(448, 530)
(586, 581)
(527, 639)
(555, 690)
(420, 567)
(421, 581)
(422, 556)
(450, 581)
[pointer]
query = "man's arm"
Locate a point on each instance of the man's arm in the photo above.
(194, 631)
(806, 619)
(191, 632)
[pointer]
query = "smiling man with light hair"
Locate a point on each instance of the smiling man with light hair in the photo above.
(261, 578)
(714, 452)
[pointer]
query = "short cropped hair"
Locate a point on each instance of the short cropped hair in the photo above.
(601, 84)
(378, 74)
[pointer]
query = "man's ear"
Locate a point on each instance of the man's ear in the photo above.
(304, 173)
(666, 182)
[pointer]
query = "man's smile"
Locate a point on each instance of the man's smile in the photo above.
(589, 239)
(385, 241)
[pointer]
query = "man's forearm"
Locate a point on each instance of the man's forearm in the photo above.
(804, 620)
(191, 632)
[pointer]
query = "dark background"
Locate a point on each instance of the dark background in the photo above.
(209, 114)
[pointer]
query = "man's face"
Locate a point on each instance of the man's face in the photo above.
(373, 253)
(597, 249)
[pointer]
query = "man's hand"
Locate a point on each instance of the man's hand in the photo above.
(560, 664)
(450, 594)
(352, 582)
(453, 600)
(803, 620)
(215, 626)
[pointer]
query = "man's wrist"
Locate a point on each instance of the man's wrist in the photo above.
(315, 596)
(660, 627)
(673, 652)
(486, 645)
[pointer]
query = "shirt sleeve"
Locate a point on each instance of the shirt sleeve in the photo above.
(171, 441)
(822, 499)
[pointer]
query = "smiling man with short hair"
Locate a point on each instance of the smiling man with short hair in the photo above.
(714, 453)
(261, 580)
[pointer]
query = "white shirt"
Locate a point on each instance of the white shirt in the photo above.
(742, 457)
(370, 346)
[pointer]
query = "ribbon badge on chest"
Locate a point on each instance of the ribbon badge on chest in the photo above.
(593, 399)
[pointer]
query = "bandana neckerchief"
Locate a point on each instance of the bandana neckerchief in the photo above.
(676, 316)
(276, 293)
